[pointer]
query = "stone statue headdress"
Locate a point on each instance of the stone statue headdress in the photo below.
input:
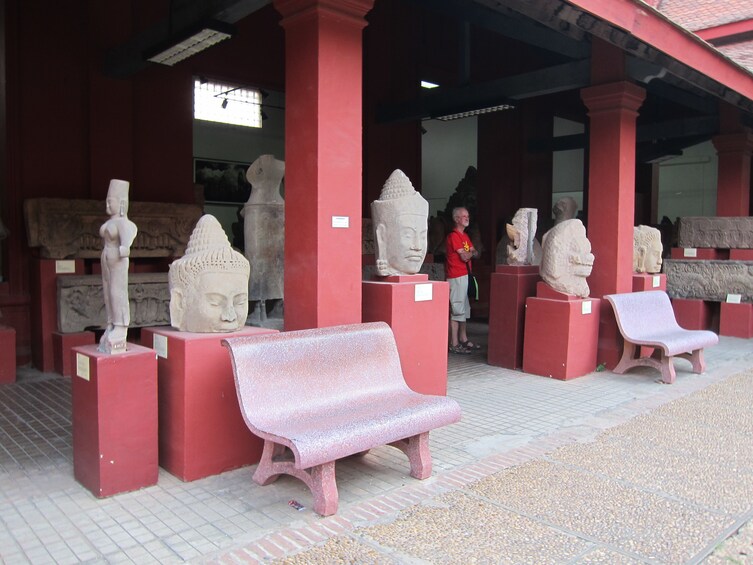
(118, 189)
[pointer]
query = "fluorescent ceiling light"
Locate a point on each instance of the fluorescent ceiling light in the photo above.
(182, 47)
(427, 84)
(470, 113)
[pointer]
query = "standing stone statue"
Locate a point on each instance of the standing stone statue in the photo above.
(209, 284)
(564, 209)
(117, 234)
(400, 218)
(567, 259)
(522, 247)
(647, 249)
(264, 233)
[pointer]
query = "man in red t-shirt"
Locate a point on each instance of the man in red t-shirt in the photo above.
(459, 253)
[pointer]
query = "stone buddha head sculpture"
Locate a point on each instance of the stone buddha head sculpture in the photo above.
(647, 250)
(567, 259)
(564, 209)
(400, 218)
(523, 249)
(209, 284)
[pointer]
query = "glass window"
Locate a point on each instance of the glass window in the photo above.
(227, 104)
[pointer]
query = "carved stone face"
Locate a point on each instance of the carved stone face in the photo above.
(404, 242)
(567, 259)
(647, 250)
(217, 303)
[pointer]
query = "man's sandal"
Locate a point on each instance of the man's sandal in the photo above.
(459, 349)
(470, 345)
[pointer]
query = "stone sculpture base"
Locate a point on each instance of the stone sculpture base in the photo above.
(44, 306)
(510, 287)
(649, 281)
(699, 253)
(201, 428)
(736, 320)
(416, 310)
(561, 339)
(7, 355)
(62, 345)
(114, 419)
(692, 313)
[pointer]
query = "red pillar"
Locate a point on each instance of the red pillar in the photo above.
(612, 109)
(323, 169)
(733, 179)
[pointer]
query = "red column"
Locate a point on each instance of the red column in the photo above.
(323, 169)
(733, 180)
(612, 109)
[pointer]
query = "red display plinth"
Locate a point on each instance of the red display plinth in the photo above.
(417, 310)
(736, 320)
(44, 306)
(201, 428)
(648, 281)
(561, 335)
(699, 253)
(510, 286)
(62, 345)
(114, 419)
(692, 313)
(741, 254)
(7, 355)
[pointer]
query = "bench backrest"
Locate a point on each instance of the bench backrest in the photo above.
(305, 371)
(643, 313)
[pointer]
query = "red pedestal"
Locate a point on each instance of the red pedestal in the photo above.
(561, 336)
(44, 306)
(736, 320)
(648, 281)
(418, 313)
(692, 313)
(62, 345)
(510, 286)
(7, 355)
(741, 254)
(114, 419)
(704, 253)
(201, 428)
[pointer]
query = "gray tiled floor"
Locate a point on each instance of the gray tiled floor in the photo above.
(47, 517)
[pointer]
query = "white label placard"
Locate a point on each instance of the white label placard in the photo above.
(690, 252)
(585, 307)
(159, 344)
(423, 292)
(656, 281)
(82, 366)
(65, 266)
(734, 298)
(340, 221)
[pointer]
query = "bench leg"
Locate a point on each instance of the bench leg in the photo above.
(667, 369)
(658, 360)
(324, 489)
(696, 359)
(269, 469)
(417, 449)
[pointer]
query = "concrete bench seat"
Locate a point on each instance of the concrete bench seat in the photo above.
(646, 319)
(315, 396)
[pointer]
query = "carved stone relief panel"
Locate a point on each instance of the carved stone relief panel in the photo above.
(709, 280)
(719, 233)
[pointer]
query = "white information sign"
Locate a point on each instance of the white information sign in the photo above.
(585, 307)
(734, 298)
(423, 292)
(159, 344)
(340, 221)
(65, 267)
(656, 281)
(82, 366)
(690, 252)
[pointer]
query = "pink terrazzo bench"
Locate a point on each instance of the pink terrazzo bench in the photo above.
(646, 319)
(315, 396)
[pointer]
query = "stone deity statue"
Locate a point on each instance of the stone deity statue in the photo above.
(567, 259)
(400, 218)
(117, 234)
(647, 249)
(522, 247)
(209, 284)
(564, 209)
(264, 233)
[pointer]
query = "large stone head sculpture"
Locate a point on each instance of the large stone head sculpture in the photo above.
(400, 217)
(209, 284)
(567, 259)
(564, 209)
(647, 249)
(523, 248)
(265, 175)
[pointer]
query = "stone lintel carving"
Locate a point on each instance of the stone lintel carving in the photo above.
(709, 280)
(81, 302)
(65, 228)
(717, 232)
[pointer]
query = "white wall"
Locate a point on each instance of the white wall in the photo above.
(687, 184)
(567, 166)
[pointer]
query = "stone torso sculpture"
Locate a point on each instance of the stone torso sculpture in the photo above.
(209, 285)
(522, 247)
(567, 259)
(400, 218)
(264, 232)
(647, 249)
(117, 234)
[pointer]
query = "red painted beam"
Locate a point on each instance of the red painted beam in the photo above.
(724, 31)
